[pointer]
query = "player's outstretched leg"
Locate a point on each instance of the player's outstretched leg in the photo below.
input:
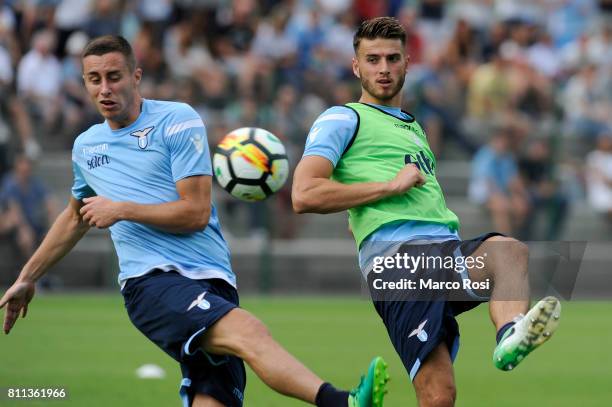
(527, 333)
(240, 334)
(373, 386)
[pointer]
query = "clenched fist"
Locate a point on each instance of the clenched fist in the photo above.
(408, 177)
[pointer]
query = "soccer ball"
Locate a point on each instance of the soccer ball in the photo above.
(251, 164)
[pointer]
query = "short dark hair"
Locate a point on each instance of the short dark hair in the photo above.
(379, 27)
(111, 43)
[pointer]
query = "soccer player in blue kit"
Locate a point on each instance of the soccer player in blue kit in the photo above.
(145, 174)
(373, 159)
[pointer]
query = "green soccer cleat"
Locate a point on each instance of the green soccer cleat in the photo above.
(528, 333)
(372, 387)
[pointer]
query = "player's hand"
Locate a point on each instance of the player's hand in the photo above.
(16, 300)
(408, 177)
(100, 212)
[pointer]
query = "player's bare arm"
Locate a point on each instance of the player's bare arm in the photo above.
(313, 191)
(190, 213)
(64, 234)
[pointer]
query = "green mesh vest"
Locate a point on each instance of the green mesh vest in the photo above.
(381, 146)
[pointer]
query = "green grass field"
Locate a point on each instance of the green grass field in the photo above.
(87, 345)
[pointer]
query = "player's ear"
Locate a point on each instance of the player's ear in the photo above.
(356, 68)
(137, 75)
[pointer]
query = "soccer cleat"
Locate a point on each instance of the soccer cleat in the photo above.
(527, 334)
(372, 387)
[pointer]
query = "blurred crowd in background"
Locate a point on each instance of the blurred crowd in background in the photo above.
(522, 88)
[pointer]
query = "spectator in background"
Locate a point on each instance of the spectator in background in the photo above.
(600, 46)
(599, 176)
(285, 120)
(156, 14)
(545, 194)
(498, 33)
(435, 28)
(464, 48)
(544, 57)
(6, 79)
(70, 16)
(569, 19)
(13, 116)
(105, 19)
(77, 114)
(26, 207)
(415, 45)
(575, 55)
(39, 80)
(436, 106)
(338, 45)
(489, 92)
(149, 54)
(496, 184)
(5, 136)
(7, 18)
(531, 94)
(274, 52)
(185, 52)
(6, 67)
(235, 27)
(587, 104)
(14, 119)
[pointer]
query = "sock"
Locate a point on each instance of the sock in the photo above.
(329, 396)
(503, 330)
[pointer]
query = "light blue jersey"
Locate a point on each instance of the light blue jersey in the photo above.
(329, 137)
(141, 163)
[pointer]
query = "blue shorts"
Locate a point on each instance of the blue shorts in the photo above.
(418, 321)
(174, 311)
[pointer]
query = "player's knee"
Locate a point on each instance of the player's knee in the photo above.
(439, 393)
(239, 333)
(511, 247)
(253, 335)
(440, 398)
(517, 250)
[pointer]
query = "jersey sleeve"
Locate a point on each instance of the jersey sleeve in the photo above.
(188, 145)
(80, 189)
(331, 133)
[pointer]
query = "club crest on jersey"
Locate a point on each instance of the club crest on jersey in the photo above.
(142, 135)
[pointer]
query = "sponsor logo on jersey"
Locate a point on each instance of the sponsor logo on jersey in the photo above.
(423, 163)
(97, 149)
(402, 126)
(97, 160)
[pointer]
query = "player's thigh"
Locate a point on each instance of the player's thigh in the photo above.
(237, 333)
(435, 381)
(204, 400)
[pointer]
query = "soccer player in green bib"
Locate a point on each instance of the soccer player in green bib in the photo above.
(373, 159)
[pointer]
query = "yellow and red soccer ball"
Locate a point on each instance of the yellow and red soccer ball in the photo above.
(251, 163)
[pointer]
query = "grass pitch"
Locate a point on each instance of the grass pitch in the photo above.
(86, 345)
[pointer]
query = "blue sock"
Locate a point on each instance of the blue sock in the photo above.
(503, 330)
(329, 396)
